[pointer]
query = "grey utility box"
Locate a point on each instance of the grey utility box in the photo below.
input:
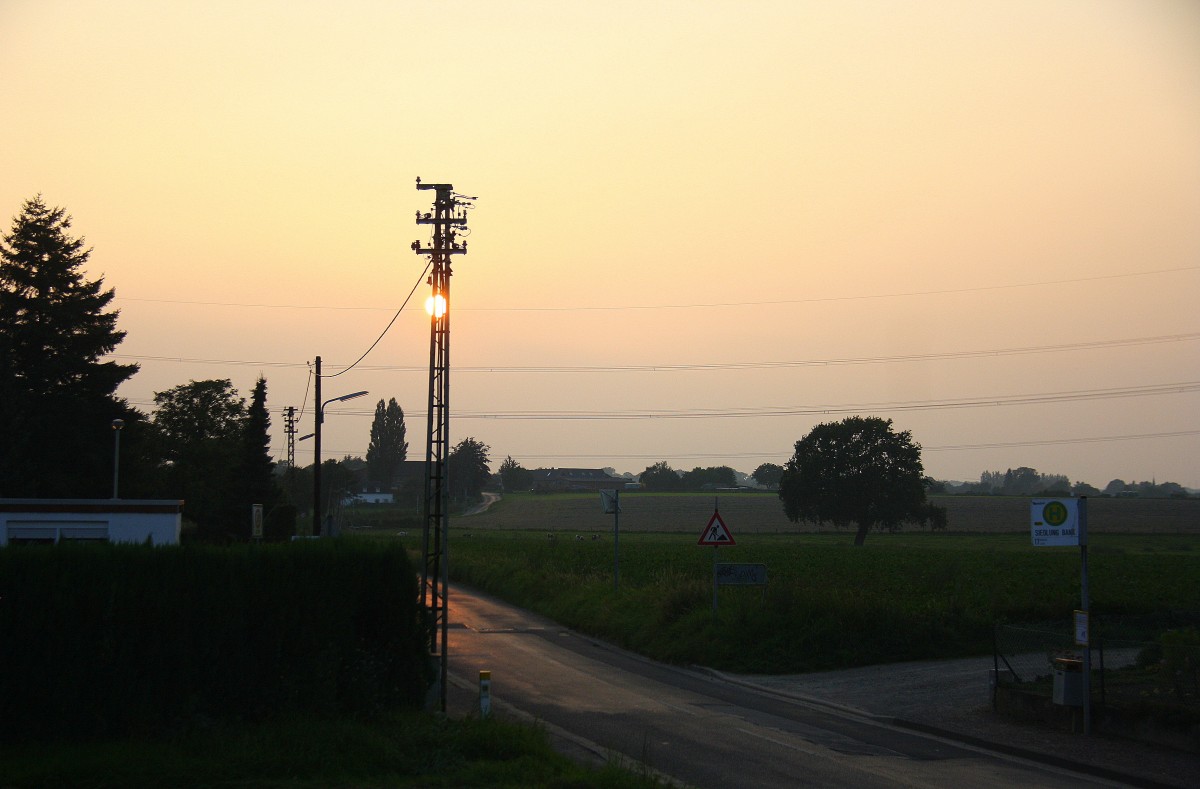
(1068, 682)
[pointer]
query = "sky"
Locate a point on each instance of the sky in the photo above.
(702, 228)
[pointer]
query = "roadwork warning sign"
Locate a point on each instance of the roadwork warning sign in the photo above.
(716, 532)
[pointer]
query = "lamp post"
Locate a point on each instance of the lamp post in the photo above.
(117, 424)
(318, 418)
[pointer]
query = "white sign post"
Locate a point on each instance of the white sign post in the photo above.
(1055, 522)
(611, 501)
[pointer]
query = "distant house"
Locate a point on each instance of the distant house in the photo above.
(557, 480)
(374, 496)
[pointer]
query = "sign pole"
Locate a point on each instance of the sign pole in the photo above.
(1083, 593)
(716, 513)
(1063, 522)
(715, 549)
(616, 538)
(715, 534)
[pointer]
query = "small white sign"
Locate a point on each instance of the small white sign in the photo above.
(1057, 522)
(1081, 628)
(610, 501)
(256, 521)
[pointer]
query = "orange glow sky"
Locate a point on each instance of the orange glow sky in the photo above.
(925, 209)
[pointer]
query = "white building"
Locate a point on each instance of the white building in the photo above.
(110, 520)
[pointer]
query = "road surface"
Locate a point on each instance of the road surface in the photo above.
(699, 730)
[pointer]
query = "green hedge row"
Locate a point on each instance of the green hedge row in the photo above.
(108, 640)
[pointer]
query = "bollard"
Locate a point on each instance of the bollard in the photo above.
(485, 694)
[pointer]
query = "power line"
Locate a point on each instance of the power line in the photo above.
(387, 328)
(984, 401)
(885, 406)
(698, 305)
(775, 453)
(764, 365)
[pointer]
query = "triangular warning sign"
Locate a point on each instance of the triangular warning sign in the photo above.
(716, 532)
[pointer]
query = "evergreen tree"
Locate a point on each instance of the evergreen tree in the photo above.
(388, 448)
(255, 479)
(58, 396)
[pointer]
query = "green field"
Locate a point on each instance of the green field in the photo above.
(762, 513)
(905, 596)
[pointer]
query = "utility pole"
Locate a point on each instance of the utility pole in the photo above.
(448, 214)
(316, 513)
(289, 430)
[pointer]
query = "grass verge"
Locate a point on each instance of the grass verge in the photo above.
(408, 750)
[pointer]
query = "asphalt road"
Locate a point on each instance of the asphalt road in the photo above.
(698, 729)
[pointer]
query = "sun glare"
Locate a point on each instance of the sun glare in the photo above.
(436, 305)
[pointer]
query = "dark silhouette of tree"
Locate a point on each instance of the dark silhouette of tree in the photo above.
(515, 477)
(254, 478)
(201, 432)
(768, 475)
(660, 477)
(856, 471)
(58, 397)
(388, 448)
(467, 469)
(709, 478)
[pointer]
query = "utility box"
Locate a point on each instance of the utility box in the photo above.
(1068, 682)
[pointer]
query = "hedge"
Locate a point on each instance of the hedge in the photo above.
(111, 640)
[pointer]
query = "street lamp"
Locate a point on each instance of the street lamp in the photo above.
(319, 418)
(117, 424)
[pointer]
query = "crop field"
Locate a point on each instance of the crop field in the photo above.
(910, 595)
(762, 513)
(827, 603)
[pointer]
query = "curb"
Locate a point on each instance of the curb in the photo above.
(965, 739)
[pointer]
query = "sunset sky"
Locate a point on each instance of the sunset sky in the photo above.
(702, 227)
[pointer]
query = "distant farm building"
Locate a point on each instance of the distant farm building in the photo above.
(559, 480)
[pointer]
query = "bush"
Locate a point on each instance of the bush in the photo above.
(108, 640)
(280, 523)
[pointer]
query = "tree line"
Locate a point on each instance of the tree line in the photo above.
(207, 445)
(202, 443)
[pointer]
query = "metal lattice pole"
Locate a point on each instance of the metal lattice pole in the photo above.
(448, 214)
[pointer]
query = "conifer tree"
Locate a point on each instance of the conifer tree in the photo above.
(255, 479)
(58, 393)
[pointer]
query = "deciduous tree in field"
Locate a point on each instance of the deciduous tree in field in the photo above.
(661, 476)
(467, 468)
(514, 476)
(856, 471)
(768, 474)
(712, 477)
